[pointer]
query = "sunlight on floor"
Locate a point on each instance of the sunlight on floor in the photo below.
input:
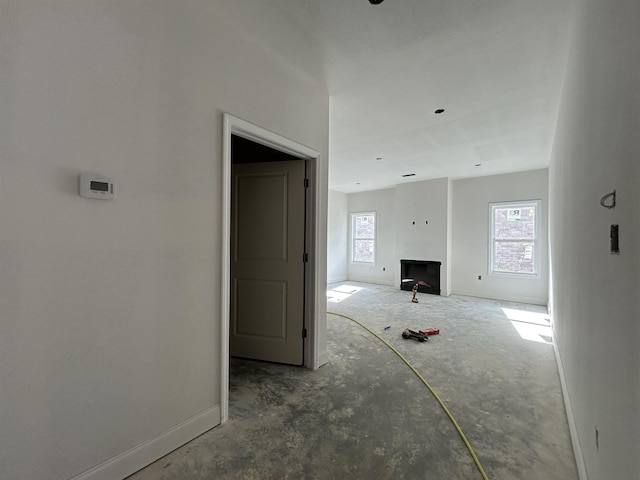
(532, 326)
(340, 293)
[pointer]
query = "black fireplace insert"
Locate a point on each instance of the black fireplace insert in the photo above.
(419, 272)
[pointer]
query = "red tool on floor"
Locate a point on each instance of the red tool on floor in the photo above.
(429, 331)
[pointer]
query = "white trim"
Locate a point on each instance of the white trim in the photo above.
(336, 280)
(323, 358)
(573, 431)
(225, 267)
(313, 358)
(352, 238)
(141, 455)
(252, 132)
(537, 252)
(356, 278)
(504, 297)
(314, 351)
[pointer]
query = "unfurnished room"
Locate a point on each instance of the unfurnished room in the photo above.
(319, 239)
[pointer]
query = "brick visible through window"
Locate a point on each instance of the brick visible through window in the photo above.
(363, 234)
(514, 238)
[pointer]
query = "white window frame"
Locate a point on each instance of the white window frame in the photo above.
(352, 243)
(537, 204)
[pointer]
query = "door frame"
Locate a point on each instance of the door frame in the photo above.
(236, 126)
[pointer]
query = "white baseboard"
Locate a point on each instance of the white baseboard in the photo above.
(370, 280)
(575, 441)
(336, 280)
(323, 358)
(506, 298)
(140, 456)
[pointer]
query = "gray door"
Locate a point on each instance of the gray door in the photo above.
(267, 267)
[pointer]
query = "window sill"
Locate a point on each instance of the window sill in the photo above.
(363, 264)
(529, 276)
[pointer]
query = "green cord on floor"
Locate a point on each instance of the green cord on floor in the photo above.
(426, 384)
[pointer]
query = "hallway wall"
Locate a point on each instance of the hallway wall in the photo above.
(594, 299)
(110, 332)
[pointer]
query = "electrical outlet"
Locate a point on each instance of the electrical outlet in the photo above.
(479, 277)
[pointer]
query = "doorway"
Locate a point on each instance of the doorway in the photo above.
(268, 252)
(313, 306)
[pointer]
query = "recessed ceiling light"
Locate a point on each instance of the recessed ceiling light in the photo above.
(440, 110)
(409, 175)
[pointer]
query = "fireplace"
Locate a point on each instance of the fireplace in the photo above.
(412, 271)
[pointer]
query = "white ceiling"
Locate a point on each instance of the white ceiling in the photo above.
(495, 66)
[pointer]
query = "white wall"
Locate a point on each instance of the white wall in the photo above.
(595, 298)
(337, 235)
(471, 225)
(382, 202)
(109, 339)
(401, 229)
(457, 233)
(417, 203)
(449, 282)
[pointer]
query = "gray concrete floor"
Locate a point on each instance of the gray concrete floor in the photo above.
(365, 415)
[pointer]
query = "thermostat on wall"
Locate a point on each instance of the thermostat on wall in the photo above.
(96, 186)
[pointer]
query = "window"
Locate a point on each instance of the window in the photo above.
(514, 238)
(363, 237)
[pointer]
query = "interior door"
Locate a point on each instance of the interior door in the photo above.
(267, 263)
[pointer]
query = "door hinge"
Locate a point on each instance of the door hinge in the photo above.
(306, 183)
(305, 257)
(304, 333)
